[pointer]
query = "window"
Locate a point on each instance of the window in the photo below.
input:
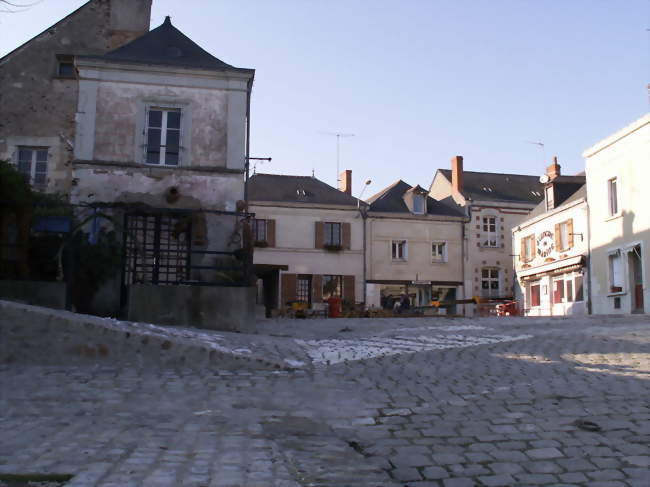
(578, 286)
(612, 196)
(563, 238)
(65, 66)
(490, 227)
(528, 248)
(303, 289)
(259, 230)
(615, 272)
(489, 282)
(569, 290)
(439, 252)
(550, 200)
(558, 291)
(418, 204)
(163, 136)
(32, 163)
(399, 250)
(332, 234)
(332, 287)
(534, 295)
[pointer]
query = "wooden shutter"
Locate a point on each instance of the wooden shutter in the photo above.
(288, 288)
(522, 253)
(270, 233)
(558, 239)
(318, 235)
(347, 237)
(569, 231)
(533, 246)
(348, 289)
(317, 288)
(199, 229)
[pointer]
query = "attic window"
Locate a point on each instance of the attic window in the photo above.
(485, 188)
(65, 66)
(301, 192)
(536, 193)
(419, 204)
(550, 202)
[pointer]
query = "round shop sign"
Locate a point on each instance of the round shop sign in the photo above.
(545, 244)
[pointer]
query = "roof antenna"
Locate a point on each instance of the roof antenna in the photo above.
(312, 172)
(541, 146)
(261, 159)
(338, 151)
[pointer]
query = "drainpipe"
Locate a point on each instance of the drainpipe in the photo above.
(364, 216)
(588, 236)
(248, 139)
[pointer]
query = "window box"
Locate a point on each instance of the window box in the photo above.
(261, 243)
(616, 289)
(332, 247)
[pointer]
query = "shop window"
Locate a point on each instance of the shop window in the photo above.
(558, 291)
(569, 290)
(332, 287)
(578, 286)
(534, 295)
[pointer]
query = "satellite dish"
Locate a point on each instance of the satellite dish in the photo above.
(543, 178)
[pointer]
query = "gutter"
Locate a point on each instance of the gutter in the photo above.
(248, 139)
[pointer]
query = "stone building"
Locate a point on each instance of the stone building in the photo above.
(414, 247)
(551, 249)
(617, 169)
(153, 130)
(494, 203)
(308, 240)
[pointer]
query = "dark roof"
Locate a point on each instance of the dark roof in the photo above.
(391, 200)
(166, 45)
(490, 186)
(567, 189)
(296, 189)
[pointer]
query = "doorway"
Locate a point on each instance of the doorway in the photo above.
(634, 261)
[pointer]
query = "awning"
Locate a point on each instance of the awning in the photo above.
(563, 265)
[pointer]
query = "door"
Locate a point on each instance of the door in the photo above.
(636, 278)
(303, 288)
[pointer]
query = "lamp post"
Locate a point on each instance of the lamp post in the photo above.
(364, 216)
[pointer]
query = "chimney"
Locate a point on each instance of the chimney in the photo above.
(128, 20)
(553, 170)
(345, 182)
(457, 174)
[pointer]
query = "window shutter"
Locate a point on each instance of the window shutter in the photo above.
(347, 237)
(317, 288)
(270, 233)
(199, 229)
(533, 246)
(348, 289)
(558, 239)
(288, 288)
(522, 253)
(318, 235)
(569, 231)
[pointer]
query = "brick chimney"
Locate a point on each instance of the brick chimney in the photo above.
(553, 170)
(128, 20)
(345, 182)
(457, 174)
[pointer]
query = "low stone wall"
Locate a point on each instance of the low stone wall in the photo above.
(40, 293)
(35, 335)
(210, 307)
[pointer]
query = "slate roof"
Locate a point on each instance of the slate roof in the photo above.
(567, 189)
(168, 46)
(490, 186)
(390, 200)
(296, 189)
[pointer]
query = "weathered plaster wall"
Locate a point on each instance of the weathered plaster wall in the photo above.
(121, 112)
(40, 107)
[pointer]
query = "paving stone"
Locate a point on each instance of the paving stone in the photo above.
(502, 480)
(406, 474)
(459, 482)
(544, 453)
(435, 473)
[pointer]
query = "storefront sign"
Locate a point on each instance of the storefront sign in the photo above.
(545, 244)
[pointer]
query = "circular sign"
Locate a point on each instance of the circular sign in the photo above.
(545, 244)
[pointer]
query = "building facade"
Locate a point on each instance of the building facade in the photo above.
(494, 204)
(617, 169)
(551, 250)
(308, 240)
(414, 248)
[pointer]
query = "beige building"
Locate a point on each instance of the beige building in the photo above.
(308, 240)
(618, 168)
(494, 203)
(551, 249)
(415, 247)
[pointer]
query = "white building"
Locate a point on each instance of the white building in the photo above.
(551, 249)
(618, 170)
(308, 240)
(494, 203)
(415, 247)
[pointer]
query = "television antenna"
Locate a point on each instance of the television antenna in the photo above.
(338, 136)
(541, 146)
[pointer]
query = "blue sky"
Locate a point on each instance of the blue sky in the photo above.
(416, 81)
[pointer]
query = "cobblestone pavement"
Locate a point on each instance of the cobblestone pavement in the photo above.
(418, 403)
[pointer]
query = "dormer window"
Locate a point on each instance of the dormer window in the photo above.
(419, 204)
(550, 200)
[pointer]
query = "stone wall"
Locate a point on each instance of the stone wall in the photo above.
(40, 293)
(210, 307)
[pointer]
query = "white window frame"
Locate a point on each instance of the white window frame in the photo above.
(165, 109)
(564, 235)
(395, 252)
(612, 273)
(528, 248)
(437, 256)
(613, 200)
(423, 200)
(549, 197)
(31, 174)
(490, 280)
(487, 234)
